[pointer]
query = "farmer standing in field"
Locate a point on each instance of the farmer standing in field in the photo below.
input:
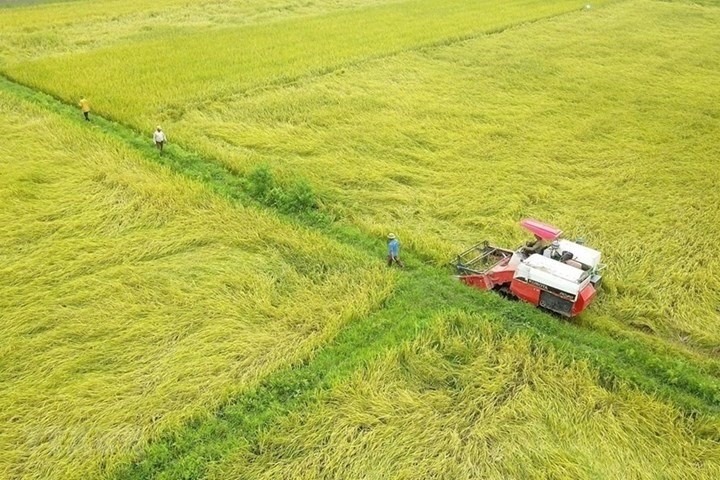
(85, 106)
(394, 251)
(159, 138)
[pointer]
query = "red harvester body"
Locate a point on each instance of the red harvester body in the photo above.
(552, 273)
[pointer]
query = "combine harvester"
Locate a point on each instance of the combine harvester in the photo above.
(549, 272)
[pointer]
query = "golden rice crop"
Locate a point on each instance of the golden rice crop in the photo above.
(143, 81)
(603, 122)
(132, 299)
(468, 401)
(59, 28)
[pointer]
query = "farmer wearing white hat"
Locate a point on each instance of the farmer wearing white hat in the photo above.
(159, 138)
(394, 251)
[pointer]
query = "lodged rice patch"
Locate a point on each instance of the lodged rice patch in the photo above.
(466, 400)
(603, 122)
(132, 300)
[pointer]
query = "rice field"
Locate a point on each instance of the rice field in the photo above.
(133, 300)
(466, 400)
(601, 121)
(159, 78)
(62, 27)
(139, 306)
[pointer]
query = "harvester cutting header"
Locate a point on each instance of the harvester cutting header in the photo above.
(549, 271)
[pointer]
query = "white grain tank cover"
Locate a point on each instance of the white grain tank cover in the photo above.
(552, 273)
(581, 253)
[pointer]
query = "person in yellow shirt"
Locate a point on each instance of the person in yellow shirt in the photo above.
(85, 106)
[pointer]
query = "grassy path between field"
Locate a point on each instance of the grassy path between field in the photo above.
(423, 292)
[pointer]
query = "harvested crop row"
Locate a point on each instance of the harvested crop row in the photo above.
(132, 299)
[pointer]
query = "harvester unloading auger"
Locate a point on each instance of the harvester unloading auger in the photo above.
(552, 273)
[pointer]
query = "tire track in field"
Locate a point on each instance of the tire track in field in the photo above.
(423, 292)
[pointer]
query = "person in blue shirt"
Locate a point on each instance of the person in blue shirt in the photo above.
(394, 251)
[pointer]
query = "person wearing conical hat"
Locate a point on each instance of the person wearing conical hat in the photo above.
(159, 138)
(393, 256)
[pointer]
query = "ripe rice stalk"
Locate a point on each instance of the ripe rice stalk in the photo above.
(71, 27)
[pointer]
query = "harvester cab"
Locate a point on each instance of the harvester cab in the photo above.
(550, 272)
